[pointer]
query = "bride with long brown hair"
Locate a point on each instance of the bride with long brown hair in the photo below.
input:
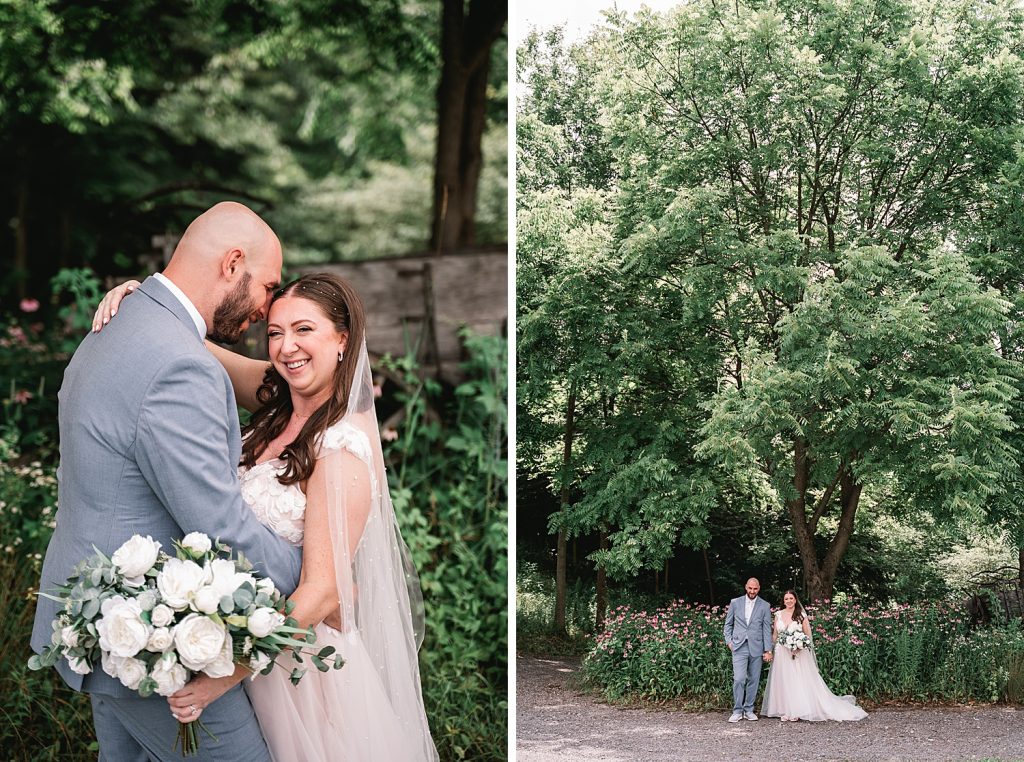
(795, 690)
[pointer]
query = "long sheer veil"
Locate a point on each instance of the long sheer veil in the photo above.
(379, 592)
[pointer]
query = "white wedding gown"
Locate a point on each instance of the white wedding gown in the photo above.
(795, 688)
(341, 714)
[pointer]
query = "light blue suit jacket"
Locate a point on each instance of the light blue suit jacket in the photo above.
(149, 444)
(758, 632)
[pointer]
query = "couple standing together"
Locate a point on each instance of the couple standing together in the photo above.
(795, 690)
(150, 445)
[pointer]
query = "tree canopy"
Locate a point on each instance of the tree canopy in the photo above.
(804, 304)
(120, 124)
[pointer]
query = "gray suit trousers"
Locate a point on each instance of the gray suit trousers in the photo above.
(746, 676)
(135, 729)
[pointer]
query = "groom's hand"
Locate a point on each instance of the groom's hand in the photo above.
(768, 656)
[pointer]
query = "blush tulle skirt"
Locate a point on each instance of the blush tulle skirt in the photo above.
(335, 716)
(795, 689)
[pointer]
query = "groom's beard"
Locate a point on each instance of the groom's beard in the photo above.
(232, 313)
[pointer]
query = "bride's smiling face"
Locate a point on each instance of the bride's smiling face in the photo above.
(789, 600)
(304, 345)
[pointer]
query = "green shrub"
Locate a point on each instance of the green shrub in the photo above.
(449, 486)
(922, 652)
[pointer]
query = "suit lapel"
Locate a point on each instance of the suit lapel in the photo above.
(160, 294)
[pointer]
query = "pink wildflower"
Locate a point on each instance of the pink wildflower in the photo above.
(29, 305)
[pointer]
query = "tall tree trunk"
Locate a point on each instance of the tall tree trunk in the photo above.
(602, 587)
(707, 574)
(820, 573)
(21, 239)
(466, 41)
(560, 580)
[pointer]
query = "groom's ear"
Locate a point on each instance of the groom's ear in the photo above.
(232, 264)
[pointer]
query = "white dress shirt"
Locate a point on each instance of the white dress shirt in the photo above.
(748, 607)
(186, 303)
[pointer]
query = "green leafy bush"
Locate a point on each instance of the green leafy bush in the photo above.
(922, 652)
(449, 485)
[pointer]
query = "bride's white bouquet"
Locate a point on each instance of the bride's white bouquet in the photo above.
(795, 641)
(152, 620)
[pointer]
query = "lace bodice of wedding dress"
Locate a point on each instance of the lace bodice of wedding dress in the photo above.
(282, 507)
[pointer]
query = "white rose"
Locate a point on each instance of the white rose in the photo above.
(225, 580)
(264, 621)
(121, 630)
(265, 585)
(131, 672)
(162, 615)
(170, 676)
(197, 542)
(224, 666)
(79, 665)
(178, 581)
(199, 641)
(137, 556)
(111, 663)
(258, 663)
(69, 637)
(206, 600)
(160, 640)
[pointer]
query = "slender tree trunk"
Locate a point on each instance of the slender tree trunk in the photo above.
(707, 575)
(21, 239)
(1020, 564)
(602, 587)
(560, 579)
(466, 41)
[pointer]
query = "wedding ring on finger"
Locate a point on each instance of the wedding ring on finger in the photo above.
(194, 708)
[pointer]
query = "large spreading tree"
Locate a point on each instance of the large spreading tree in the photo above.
(803, 198)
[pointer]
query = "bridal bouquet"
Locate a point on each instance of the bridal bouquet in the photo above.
(795, 641)
(152, 620)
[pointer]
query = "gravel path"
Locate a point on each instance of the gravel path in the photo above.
(557, 723)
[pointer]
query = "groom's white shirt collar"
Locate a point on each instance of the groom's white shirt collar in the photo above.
(185, 302)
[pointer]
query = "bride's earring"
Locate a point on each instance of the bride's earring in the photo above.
(341, 355)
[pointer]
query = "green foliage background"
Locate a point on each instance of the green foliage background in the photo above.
(117, 125)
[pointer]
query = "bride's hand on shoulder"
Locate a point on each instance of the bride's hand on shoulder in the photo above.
(108, 305)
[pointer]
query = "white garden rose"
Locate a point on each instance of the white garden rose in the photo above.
(178, 581)
(160, 640)
(225, 580)
(121, 629)
(224, 665)
(136, 556)
(69, 637)
(199, 641)
(110, 663)
(131, 672)
(197, 542)
(264, 621)
(162, 615)
(79, 665)
(206, 600)
(170, 676)
(258, 663)
(265, 585)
